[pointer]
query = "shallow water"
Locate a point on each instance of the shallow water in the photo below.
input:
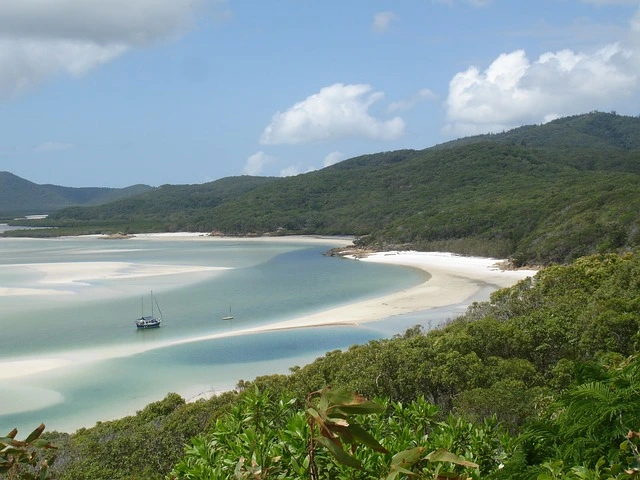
(93, 320)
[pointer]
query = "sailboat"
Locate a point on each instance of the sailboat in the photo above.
(150, 321)
(229, 317)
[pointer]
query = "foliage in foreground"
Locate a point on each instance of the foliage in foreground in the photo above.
(583, 434)
(19, 458)
(512, 368)
(339, 436)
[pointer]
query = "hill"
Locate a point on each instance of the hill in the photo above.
(20, 196)
(538, 194)
(596, 130)
(166, 208)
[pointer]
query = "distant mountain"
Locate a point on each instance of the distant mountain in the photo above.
(20, 196)
(168, 207)
(537, 194)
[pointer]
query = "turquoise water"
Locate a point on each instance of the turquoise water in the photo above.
(263, 282)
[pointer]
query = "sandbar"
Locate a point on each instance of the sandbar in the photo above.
(451, 279)
(65, 274)
(23, 368)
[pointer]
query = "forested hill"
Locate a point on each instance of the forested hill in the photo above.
(20, 196)
(166, 208)
(596, 130)
(537, 194)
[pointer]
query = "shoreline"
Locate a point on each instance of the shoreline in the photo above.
(450, 279)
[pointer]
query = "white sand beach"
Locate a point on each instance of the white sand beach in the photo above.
(79, 273)
(452, 279)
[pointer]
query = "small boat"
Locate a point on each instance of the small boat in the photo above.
(150, 321)
(229, 317)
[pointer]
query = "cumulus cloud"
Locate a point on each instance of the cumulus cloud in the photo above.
(25, 63)
(44, 38)
(296, 169)
(333, 158)
(407, 104)
(382, 21)
(514, 90)
(291, 171)
(53, 147)
(255, 163)
(337, 111)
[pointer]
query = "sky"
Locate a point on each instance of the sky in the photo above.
(112, 93)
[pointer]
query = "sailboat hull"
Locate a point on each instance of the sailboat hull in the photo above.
(148, 323)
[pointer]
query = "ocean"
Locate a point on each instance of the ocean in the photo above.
(114, 369)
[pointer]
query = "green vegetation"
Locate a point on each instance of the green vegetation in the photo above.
(19, 458)
(170, 208)
(541, 382)
(537, 194)
(22, 197)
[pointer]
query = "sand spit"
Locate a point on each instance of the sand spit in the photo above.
(451, 280)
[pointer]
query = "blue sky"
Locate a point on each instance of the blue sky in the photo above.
(119, 92)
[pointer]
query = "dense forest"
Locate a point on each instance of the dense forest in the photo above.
(538, 194)
(22, 197)
(539, 382)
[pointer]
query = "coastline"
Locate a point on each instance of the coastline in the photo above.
(450, 279)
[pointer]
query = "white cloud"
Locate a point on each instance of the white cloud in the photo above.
(255, 163)
(382, 21)
(407, 104)
(337, 111)
(513, 90)
(134, 22)
(53, 147)
(290, 171)
(296, 169)
(25, 63)
(43, 38)
(333, 158)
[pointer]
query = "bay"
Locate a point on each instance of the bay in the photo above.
(121, 369)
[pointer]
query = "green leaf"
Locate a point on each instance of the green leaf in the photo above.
(339, 454)
(395, 471)
(35, 434)
(338, 396)
(407, 458)
(10, 441)
(360, 408)
(42, 443)
(442, 455)
(12, 451)
(402, 460)
(366, 438)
